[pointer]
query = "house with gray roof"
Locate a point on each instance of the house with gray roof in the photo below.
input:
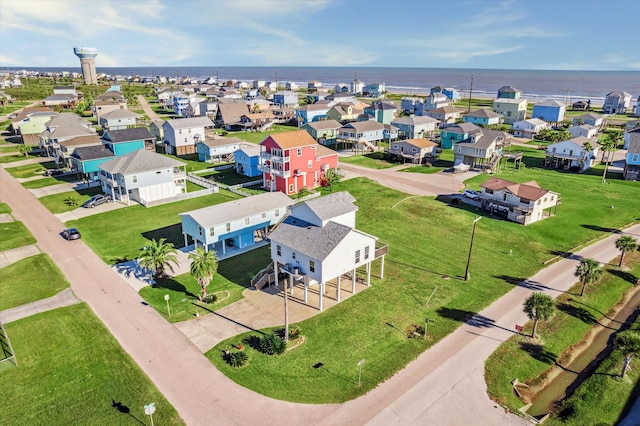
(578, 153)
(66, 147)
(370, 132)
(143, 176)
(318, 243)
(62, 127)
(415, 127)
(218, 148)
(482, 149)
(324, 132)
(118, 119)
(632, 161)
(482, 117)
(617, 102)
(86, 160)
(182, 134)
(236, 225)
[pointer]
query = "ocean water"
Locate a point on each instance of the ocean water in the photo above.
(566, 86)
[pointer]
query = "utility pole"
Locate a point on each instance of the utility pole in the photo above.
(473, 234)
(470, 92)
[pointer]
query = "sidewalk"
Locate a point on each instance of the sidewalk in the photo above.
(9, 257)
(64, 298)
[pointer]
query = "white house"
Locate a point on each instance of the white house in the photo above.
(528, 128)
(586, 130)
(181, 135)
(631, 135)
(218, 148)
(142, 176)
(318, 243)
(574, 152)
(118, 119)
(237, 224)
(523, 203)
(592, 119)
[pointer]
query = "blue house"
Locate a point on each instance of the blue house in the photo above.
(124, 141)
(234, 225)
(374, 90)
(550, 111)
(308, 113)
(382, 112)
(86, 160)
(286, 99)
(247, 160)
(482, 117)
(458, 133)
(632, 161)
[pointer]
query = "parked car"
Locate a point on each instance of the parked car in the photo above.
(96, 200)
(71, 234)
(471, 194)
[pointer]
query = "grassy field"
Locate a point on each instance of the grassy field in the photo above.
(573, 318)
(118, 235)
(56, 202)
(228, 177)
(14, 106)
(28, 280)
(375, 160)
(30, 170)
(72, 371)
(14, 234)
(49, 181)
(372, 325)
(257, 137)
(233, 276)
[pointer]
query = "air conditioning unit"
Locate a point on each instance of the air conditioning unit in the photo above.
(297, 172)
(325, 167)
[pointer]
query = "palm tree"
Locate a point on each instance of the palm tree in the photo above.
(158, 256)
(588, 271)
(608, 144)
(204, 265)
(538, 306)
(624, 244)
(627, 342)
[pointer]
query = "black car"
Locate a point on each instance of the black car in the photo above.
(96, 200)
(71, 234)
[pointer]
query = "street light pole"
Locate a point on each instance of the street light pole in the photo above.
(473, 233)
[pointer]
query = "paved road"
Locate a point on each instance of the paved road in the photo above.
(410, 183)
(444, 386)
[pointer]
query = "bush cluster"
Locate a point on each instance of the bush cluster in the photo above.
(237, 359)
(272, 344)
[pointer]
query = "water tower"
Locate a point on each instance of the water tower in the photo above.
(87, 55)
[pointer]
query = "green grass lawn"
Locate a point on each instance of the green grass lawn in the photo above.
(192, 187)
(12, 158)
(14, 106)
(118, 235)
(30, 170)
(49, 181)
(193, 164)
(372, 325)
(28, 280)
(4, 208)
(56, 202)
(233, 276)
(572, 320)
(375, 160)
(257, 137)
(70, 371)
(14, 234)
(228, 177)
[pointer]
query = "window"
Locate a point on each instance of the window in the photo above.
(211, 232)
(264, 215)
(312, 266)
(159, 172)
(277, 212)
(357, 256)
(299, 152)
(290, 187)
(293, 255)
(180, 131)
(228, 227)
(246, 221)
(310, 164)
(366, 252)
(279, 250)
(199, 230)
(135, 179)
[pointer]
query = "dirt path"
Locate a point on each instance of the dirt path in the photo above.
(147, 109)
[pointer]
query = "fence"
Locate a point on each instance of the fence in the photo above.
(237, 189)
(181, 197)
(6, 350)
(204, 182)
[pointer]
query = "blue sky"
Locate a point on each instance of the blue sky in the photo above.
(510, 34)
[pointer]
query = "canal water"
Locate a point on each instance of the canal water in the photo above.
(583, 366)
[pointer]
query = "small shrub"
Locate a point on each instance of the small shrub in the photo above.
(71, 201)
(273, 344)
(237, 359)
(294, 332)
(210, 298)
(415, 331)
